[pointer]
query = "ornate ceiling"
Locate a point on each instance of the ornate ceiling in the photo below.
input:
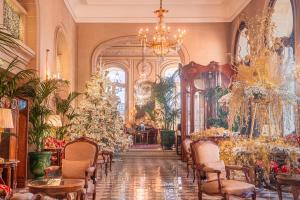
(141, 11)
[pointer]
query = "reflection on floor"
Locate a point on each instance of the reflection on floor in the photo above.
(154, 178)
(146, 146)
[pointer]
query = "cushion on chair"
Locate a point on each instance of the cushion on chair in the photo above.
(80, 151)
(74, 169)
(218, 165)
(230, 187)
(237, 188)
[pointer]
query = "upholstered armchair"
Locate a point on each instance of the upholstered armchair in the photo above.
(79, 162)
(186, 147)
(213, 175)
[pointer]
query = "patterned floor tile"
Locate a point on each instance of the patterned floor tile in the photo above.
(136, 178)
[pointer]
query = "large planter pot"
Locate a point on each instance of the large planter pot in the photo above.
(167, 139)
(38, 162)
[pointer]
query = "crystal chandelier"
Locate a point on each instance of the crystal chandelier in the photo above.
(161, 42)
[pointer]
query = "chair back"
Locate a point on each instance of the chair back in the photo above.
(82, 149)
(205, 152)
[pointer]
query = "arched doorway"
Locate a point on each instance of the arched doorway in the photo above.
(127, 52)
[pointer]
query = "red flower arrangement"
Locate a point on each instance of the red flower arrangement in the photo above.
(53, 143)
(6, 190)
(274, 167)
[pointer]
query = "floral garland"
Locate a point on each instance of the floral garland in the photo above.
(211, 132)
(262, 152)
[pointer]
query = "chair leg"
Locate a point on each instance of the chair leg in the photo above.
(226, 196)
(94, 194)
(200, 195)
(106, 168)
(199, 187)
(83, 196)
(254, 195)
(194, 174)
(188, 169)
(110, 163)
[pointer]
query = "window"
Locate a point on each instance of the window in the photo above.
(242, 45)
(284, 30)
(170, 71)
(118, 78)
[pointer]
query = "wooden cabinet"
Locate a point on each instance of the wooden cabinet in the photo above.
(14, 146)
(196, 107)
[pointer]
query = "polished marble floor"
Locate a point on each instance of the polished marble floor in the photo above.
(154, 178)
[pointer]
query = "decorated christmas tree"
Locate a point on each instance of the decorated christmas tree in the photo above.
(98, 117)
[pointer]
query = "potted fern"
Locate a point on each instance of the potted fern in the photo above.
(39, 129)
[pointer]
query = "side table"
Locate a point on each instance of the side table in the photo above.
(292, 180)
(8, 172)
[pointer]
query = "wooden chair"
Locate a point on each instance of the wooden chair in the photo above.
(105, 159)
(214, 177)
(186, 147)
(79, 162)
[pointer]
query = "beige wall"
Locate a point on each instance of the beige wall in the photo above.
(204, 42)
(54, 15)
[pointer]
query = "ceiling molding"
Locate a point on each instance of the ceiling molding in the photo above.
(71, 9)
(141, 11)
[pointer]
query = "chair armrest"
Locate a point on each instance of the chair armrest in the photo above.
(244, 169)
(90, 170)
(51, 169)
(211, 170)
(218, 172)
(90, 174)
(234, 167)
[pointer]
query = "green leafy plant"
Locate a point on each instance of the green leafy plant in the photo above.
(163, 93)
(16, 85)
(67, 113)
(214, 94)
(40, 110)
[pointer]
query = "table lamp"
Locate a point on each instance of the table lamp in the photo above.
(6, 121)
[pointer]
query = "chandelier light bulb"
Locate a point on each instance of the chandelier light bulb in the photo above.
(162, 43)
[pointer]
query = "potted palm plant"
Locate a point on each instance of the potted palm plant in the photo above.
(39, 129)
(67, 113)
(164, 94)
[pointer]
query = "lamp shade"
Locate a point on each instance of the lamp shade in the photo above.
(54, 120)
(6, 119)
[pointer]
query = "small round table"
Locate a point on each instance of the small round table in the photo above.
(292, 180)
(57, 188)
